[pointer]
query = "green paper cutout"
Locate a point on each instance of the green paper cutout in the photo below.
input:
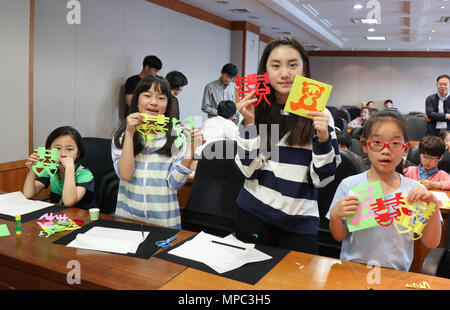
(48, 161)
(179, 126)
(4, 231)
(367, 195)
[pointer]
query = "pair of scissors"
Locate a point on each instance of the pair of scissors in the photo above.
(165, 243)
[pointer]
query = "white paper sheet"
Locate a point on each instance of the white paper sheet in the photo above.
(441, 196)
(221, 258)
(16, 203)
(109, 240)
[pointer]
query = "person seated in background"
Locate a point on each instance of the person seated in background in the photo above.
(359, 121)
(220, 127)
(431, 149)
(389, 105)
(445, 136)
(177, 81)
(344, 140)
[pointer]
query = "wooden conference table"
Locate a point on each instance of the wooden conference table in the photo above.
(32, 262)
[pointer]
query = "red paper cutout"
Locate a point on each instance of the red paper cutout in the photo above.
(311, 92)
(383, 215)
(260, 85)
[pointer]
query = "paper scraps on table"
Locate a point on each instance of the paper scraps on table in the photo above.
(52, 224)
(4, 231)
(48, 162)
(260, 83)
(307, 95)
(179, 126)
(424, 285)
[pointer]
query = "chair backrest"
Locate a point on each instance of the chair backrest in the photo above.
(212, 203)
(351, 164)
(98, 159)
(413, 157)
(444, 164)
(340, 123)
(344, 114)
(354, 112)
(332, 110)
(357, 149)
(355, 132)
(416, 127)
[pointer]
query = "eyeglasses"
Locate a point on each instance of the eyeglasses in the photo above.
(429, 158)
(378, 145)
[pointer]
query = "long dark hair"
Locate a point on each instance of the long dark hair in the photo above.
(300, 129)
(162, 86)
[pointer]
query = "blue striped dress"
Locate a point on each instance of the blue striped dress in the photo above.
(151, 194)
(281, 187)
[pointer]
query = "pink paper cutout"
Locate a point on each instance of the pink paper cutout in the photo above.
(365, 204)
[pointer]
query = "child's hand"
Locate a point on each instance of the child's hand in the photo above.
(194, 138)
(133, 120)
(34, 157)
(246, 107)
(320, 123)
(66, 162)
(345, 207)
(420, 193)
(431, 185)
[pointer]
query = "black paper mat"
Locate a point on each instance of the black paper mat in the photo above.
(249, 273)
(34, 215)
(146, 249)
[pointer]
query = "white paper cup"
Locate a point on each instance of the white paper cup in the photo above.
(94, 213)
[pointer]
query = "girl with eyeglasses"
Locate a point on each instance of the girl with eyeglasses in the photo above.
(384, 139)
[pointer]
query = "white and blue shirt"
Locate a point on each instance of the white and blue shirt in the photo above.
(151, 194)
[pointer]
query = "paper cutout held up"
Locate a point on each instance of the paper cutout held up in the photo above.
(48, 161)
(364, 218)
(261, 87)
(307, 95)
(179, 126)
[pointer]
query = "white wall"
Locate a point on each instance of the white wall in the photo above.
(79, 69)
(14, 59)
(251, 53)
(406, 81)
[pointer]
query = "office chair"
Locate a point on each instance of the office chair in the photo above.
(437, 262)
(413, 157)
(340, 123)
(212, 203)
(351, 164)
(416, 127)
(98, 159)
(344, 114)
(354, 112)
(444, 164)
(355, 132)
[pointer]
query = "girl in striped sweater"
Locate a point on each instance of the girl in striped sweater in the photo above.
(150, 170)
(278, 201)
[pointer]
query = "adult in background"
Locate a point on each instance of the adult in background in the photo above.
(177, 81)
(219, 90)
(150, 66)
(437, 107)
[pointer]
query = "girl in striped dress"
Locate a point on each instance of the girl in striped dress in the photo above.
(278, 201)
(151, 170)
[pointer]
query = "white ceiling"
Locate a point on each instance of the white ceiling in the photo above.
(408, 25)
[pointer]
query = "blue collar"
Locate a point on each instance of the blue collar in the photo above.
(425, 174)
